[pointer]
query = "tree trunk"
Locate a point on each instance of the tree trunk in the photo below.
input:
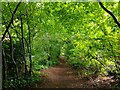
(23, 45)
(3, 68)
(30, 58)
(11, 56)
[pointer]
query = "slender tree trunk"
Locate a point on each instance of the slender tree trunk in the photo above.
(0, 67)
(30, 58)
(12, 54)
(23, 45)
(29, 38)
(30, 71)
(3, 68)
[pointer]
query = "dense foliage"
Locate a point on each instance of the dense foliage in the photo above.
(37, 34)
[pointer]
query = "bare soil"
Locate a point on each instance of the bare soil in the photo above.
(63, 76)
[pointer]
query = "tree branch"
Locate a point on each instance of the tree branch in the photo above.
(113, 16)
(7, 28)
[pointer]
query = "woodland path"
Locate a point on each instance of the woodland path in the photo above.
(62, 76)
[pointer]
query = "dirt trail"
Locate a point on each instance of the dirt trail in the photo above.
(62, 76)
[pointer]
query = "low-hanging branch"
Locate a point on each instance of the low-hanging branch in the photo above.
(109, 12)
